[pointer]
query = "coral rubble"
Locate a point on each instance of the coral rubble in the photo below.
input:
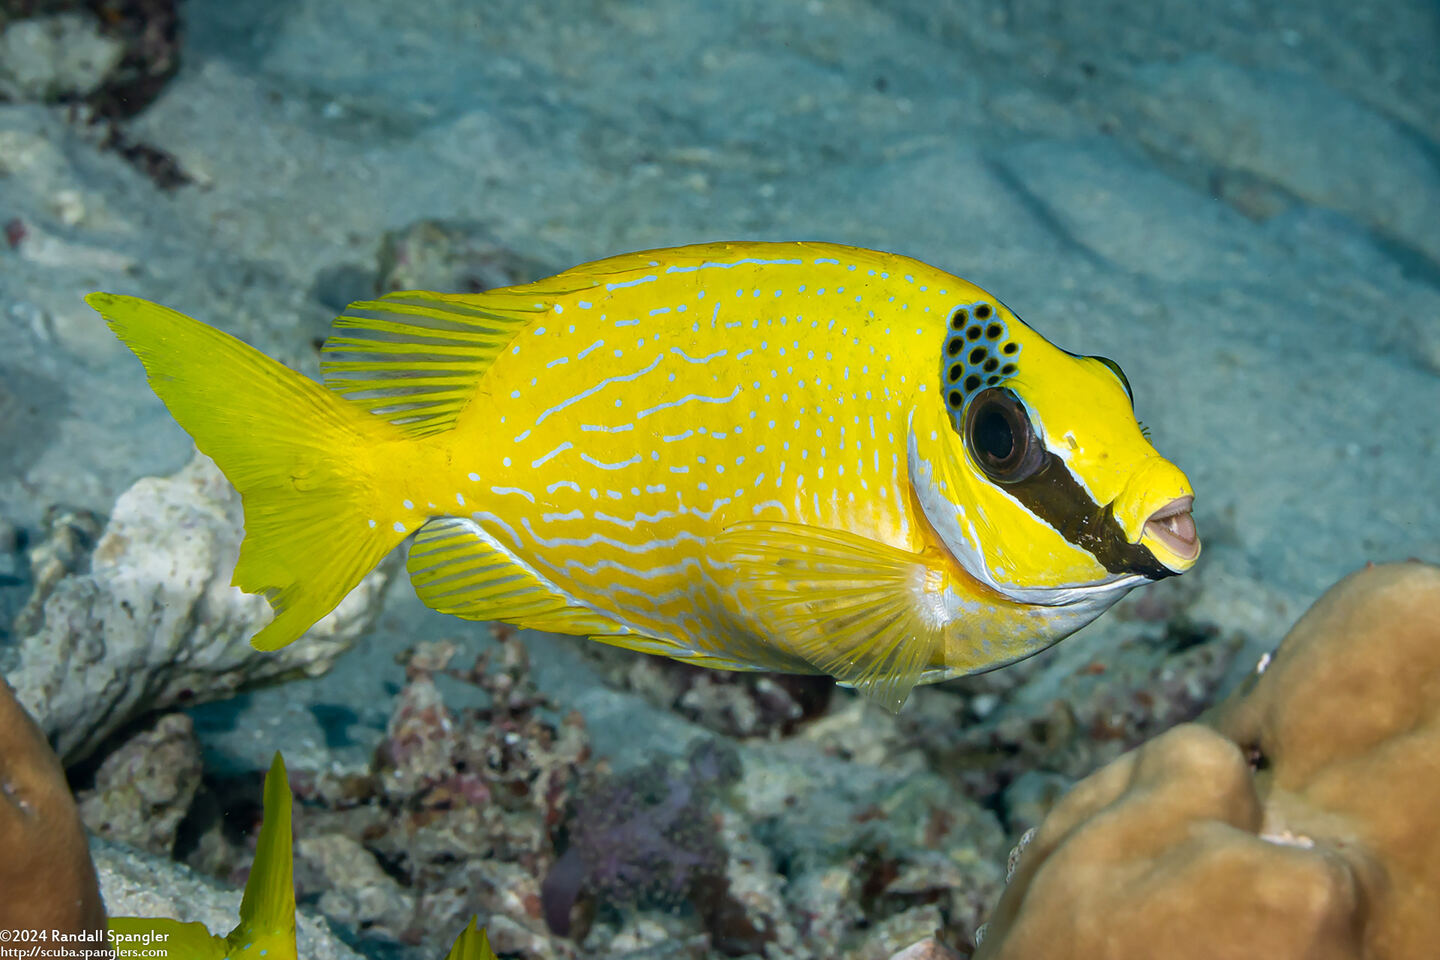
(735, 703)
(454, 817)
(643, 837)
(144, 788)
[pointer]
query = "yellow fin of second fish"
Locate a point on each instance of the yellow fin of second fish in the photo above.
(456, 570)
(851, 606)
(472, 944)
(267, 910)
(166, 938)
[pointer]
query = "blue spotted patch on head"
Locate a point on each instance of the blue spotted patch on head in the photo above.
(979, 353)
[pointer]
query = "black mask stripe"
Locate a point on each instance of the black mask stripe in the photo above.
(1053, 495)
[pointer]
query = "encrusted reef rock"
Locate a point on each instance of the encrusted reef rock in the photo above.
(1301, 826)
(144, 789)
(46, 879)
(865, 848)
(154, 622)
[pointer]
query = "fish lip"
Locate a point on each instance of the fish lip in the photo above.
(1174, 527)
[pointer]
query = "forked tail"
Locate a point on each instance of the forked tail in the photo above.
(303, 458)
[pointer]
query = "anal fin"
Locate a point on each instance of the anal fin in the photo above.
(677, 650)
(458, 569)
(868, 614)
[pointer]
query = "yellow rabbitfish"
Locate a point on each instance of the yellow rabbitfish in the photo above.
(783, 456)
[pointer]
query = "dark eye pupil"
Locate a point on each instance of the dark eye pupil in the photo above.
(1001, 438)
(992, 434)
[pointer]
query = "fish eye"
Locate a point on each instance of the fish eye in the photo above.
(1001, 438)
(1120, 374)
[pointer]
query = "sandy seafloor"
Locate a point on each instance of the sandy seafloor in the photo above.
(1239, 202)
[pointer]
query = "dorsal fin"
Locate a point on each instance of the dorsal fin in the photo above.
(415, 357)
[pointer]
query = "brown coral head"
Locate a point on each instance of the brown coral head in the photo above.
(1158, 854)
(47, 881)
(1303, 828)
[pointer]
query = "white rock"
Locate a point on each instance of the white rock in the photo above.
(44, 58)
(156, 623)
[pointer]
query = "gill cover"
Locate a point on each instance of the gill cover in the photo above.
(1034, 471)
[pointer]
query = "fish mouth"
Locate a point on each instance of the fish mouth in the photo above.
(1174, 527)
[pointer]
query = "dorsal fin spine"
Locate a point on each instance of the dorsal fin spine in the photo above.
(417, 358)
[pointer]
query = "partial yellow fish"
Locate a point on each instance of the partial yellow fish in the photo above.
(783, 456)
(267, 910)
(472, 944)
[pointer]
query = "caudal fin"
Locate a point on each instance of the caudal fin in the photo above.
(302, 457)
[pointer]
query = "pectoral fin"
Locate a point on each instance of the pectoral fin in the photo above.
(868, 614)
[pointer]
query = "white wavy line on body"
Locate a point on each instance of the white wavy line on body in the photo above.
(589, 391)
(698, 398)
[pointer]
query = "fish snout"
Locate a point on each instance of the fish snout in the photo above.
(1173, 527)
